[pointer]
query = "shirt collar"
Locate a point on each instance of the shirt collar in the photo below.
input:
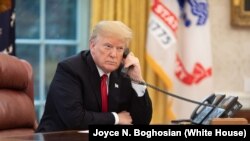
(100, 71)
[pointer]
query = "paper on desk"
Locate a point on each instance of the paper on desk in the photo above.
(83, 131)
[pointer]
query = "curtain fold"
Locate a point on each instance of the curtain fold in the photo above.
(134, 13)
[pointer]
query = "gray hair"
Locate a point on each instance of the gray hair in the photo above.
(115, 29)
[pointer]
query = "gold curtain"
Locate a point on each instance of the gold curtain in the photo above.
(135, 13)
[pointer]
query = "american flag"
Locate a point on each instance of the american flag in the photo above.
(7, 26)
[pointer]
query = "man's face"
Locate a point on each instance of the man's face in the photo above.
(107, 52)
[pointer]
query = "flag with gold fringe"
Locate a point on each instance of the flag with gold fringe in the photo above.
(179, 50)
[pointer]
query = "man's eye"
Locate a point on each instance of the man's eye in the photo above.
(108, 46)
(120, 48)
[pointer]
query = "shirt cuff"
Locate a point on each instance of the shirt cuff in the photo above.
(140, 89)
(116, 117)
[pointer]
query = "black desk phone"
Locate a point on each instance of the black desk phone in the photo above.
(221, 106)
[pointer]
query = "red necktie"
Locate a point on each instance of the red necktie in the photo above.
(104, 93)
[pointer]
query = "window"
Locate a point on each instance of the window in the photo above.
(48, 31)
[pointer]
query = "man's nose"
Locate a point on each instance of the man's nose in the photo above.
(113, 52)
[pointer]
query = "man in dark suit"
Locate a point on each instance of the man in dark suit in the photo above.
(74, 99)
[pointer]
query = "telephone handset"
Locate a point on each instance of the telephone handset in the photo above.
(125, 54)
(222, 106)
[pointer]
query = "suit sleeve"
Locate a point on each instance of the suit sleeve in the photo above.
(67, 91)
(141, 108)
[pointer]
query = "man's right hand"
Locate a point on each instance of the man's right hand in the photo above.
(124, 118)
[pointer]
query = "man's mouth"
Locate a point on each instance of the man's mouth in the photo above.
(111, 63)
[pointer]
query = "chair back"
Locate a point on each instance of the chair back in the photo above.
(17, 111)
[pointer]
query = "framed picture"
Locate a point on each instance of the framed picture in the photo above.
(240, 13)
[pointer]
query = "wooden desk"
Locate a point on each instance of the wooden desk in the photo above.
(243, 114)
(52, 136)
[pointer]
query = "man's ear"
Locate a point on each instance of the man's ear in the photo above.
(91, 44)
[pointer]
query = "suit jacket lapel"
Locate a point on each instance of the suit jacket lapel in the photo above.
(95, 79)
(114, 91)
